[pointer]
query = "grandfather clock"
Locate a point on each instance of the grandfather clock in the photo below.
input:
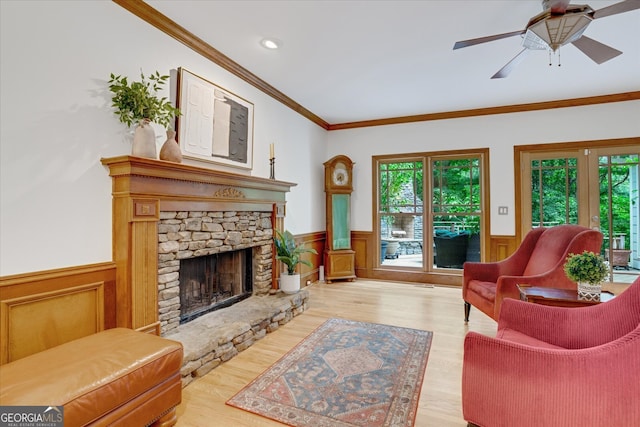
(339, 258)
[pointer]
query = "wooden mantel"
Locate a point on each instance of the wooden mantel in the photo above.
(142, 188)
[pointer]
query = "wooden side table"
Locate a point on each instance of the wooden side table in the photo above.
(559, 297)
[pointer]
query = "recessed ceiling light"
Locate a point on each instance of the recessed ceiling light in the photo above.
(270, 43)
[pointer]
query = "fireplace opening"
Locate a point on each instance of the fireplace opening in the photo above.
(211, 282)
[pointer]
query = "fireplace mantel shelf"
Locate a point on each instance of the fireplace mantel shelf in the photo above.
(139, 166)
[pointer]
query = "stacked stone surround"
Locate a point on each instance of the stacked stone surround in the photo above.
(188, 234)
(218, 336)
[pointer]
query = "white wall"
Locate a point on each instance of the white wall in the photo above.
(500, 133)
(56, 123)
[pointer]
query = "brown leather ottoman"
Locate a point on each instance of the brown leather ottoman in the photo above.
(115, 377)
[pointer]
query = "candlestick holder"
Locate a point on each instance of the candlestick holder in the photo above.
(272, 164)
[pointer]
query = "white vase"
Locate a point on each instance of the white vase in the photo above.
(144, 141)
(290, 283)
(589, 291)
(170, 150)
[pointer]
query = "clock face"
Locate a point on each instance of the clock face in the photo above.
(340, 175)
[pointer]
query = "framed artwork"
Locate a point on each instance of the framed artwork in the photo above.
(216, 125)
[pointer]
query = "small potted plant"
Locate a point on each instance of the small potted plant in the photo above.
(588, 270)
(138, 103)
(289, 254)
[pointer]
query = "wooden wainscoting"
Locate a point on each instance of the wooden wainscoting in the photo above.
(43, 309)
(502, 247)
(362, 243)
(312, 241)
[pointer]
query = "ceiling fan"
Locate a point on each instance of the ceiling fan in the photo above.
(559, 24)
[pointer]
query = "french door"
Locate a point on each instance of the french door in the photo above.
(430, 198)
(595, 187)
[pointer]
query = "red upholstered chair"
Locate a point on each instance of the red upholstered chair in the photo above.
(556, 366)
(539, 261)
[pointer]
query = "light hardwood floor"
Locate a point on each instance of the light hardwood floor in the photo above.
(436, 309)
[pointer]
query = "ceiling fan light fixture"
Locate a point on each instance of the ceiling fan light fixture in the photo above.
(533, 41)
(556, 32)
(270, 43)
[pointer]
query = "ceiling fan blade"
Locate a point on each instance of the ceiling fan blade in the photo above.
(595, 50)
(504, 71)
(614, 9)
(473, 42)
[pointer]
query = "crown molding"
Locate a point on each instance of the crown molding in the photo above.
(150, 15)
(181, 34)
(517, 108)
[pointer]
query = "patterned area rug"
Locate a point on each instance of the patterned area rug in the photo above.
(345, 373)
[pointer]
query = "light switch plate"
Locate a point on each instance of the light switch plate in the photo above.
(503, 210)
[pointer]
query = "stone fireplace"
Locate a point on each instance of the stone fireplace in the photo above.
(165, 215)
(164, 212)
(210, 260)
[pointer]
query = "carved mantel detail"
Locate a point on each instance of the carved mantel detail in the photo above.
(229, 193)
(141, 189)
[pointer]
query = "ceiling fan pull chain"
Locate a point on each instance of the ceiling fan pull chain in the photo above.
(559, 64)
(549, 57)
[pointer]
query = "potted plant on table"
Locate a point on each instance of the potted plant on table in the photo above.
(289, 254)
(588, 270)
(138, 103)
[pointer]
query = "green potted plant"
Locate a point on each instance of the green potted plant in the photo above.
(137, 103)
(588, 270)
(290, 255)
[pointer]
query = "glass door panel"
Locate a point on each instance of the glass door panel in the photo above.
(552, 190)
(554, 199)
(615, 209)
(456, 207)
(401, 213)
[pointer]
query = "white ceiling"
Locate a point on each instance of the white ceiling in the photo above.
(349, 61)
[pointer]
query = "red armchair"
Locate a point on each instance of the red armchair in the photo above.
(539, 261)
(556, 366)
